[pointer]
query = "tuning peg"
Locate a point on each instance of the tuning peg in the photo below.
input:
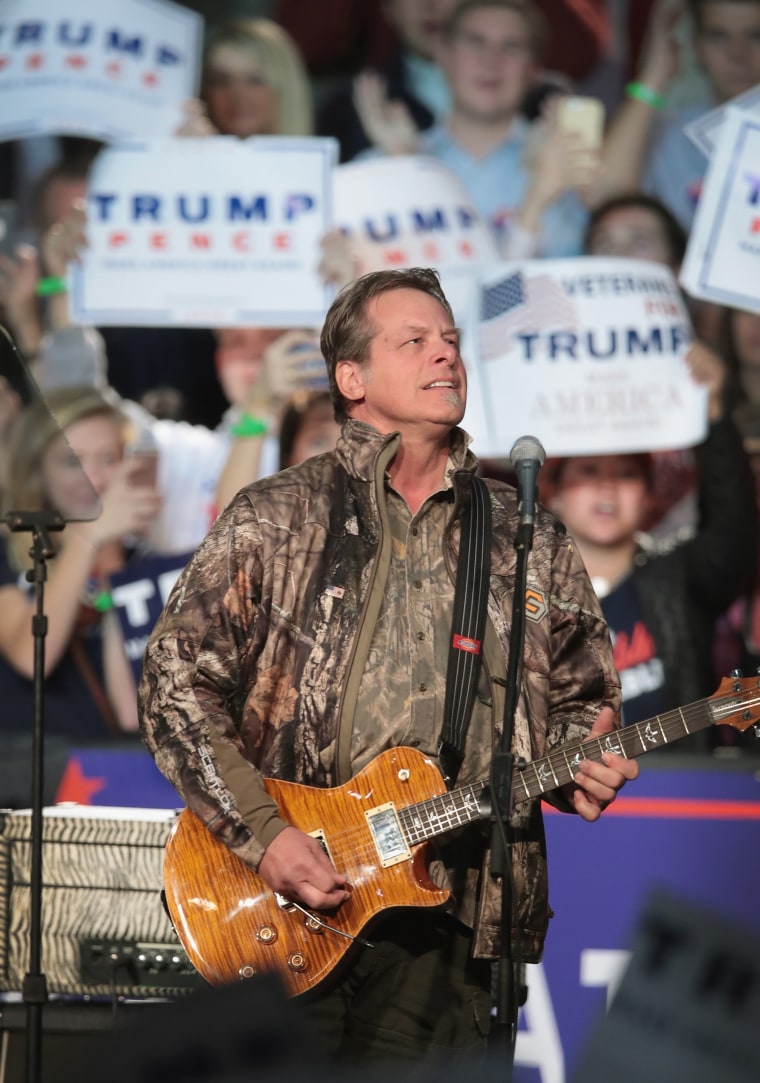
(756, 730)
(737, 673)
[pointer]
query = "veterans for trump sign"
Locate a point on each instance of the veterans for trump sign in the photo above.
(206, 232)
(587, 354)
(114, 71)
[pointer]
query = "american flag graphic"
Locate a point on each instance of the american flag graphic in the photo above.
(518, 304)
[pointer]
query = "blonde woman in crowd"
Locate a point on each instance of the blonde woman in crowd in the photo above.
(67, 455)
(254, 82)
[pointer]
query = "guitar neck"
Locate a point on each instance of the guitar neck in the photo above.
(445, 812)
(558, 768)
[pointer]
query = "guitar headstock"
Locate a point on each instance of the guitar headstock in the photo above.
(736, 702)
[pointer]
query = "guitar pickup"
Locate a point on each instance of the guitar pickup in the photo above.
(387, 835)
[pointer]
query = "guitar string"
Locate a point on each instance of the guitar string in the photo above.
(422, 820)
(440, 813)
(360, 840)
(427, 814)
(635, 740)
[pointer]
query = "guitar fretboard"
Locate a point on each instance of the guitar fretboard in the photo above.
(445, 812)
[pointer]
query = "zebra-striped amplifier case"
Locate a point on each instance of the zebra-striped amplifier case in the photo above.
(104, 929)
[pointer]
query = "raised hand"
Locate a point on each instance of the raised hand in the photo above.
(388, 124)
(661, 57)
(708, 369)
(126, 508)
(64, 241)
(340, 262)
(195, 123)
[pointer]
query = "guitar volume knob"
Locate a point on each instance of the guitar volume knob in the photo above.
(246, 970)
(266, 934)
(297, 961)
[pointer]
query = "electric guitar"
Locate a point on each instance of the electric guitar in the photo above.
(376, 829)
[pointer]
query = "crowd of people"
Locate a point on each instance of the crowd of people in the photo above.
(281, 629)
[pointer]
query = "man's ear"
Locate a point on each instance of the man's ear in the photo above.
(349, 377)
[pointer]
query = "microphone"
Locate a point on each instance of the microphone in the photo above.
(527, 457)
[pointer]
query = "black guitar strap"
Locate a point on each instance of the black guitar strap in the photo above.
(467, 629)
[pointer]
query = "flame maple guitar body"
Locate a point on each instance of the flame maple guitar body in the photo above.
(232, 925)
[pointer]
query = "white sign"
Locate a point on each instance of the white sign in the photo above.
(704, 132)
(585, 354)
(722, 261)
(412, 212)
(110, 71)
(207, 233)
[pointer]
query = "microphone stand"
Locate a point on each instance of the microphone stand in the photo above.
(504, 1028)
(34, 988)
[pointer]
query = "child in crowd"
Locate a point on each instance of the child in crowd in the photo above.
(662, 602)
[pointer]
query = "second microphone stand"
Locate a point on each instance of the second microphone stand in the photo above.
(34, 989)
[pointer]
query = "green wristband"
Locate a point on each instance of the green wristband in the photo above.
(103, 602)
(250, 426)
(46, 287)
(643, 93)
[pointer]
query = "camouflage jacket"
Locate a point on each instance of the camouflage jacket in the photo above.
(254, 666)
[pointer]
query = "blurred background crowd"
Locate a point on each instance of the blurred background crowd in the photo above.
(169, 422)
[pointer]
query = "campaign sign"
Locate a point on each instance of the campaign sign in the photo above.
(139, 593)
(111, 71)
(412, 212)
(207, 233)
(722, 261)
(409, 212)
(586, 354)
(704, 132)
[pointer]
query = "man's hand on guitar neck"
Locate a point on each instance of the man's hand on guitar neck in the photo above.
(595, 785)
(295, 864)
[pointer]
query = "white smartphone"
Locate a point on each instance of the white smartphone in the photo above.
(584, 117)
